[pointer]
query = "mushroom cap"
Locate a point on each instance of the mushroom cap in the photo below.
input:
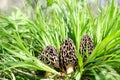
(50, 56)
(67, 55)
(86, 42)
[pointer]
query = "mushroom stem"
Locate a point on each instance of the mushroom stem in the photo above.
(48, 75)
(70, 69)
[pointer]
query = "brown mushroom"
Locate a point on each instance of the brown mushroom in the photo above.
(68, 59)
(86, 42)
(50, 56)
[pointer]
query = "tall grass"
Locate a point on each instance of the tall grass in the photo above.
(23, 38)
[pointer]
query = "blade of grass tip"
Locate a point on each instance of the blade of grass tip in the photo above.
(68, 6)
(20, 42)
(90, 15)
(72, 19)
(5, 32)
(6, 20)
(34, 33)
(112, 9)
(14, 53)
(39, 18)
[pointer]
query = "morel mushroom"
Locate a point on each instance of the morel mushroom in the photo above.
(68, 59)
(86, 42)
(50, 56)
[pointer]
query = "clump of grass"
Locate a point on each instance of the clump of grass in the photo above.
(23, 38)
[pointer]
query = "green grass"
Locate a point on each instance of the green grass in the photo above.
(23, 37)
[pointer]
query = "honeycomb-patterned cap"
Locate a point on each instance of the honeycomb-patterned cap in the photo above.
(86, 42)
(68, 56)
(50, 56)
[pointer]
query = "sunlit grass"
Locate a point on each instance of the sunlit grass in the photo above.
(23, 37)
